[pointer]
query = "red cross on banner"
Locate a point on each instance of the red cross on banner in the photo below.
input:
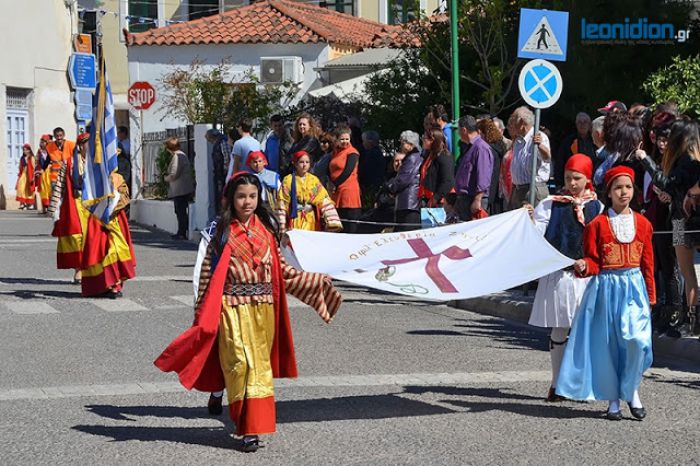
(422, 250)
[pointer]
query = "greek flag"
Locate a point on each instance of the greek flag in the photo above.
(99, 196)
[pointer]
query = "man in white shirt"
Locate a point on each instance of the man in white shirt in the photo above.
(241, 148)
(521, 125)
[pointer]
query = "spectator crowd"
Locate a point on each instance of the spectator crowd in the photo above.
(341, 179)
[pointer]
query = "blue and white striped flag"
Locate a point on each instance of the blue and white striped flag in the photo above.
(99, 196)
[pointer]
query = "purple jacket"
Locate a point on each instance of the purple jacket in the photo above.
(475, 168)
(405, 184)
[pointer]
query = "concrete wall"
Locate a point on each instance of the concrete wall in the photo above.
(34, 54)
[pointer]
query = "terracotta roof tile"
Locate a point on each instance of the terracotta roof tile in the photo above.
(279, 22)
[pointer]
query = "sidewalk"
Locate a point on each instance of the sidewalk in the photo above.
(514, 305)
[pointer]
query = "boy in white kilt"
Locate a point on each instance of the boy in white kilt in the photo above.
(561, 219)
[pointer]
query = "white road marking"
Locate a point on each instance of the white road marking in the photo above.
(162, 278)
(118, 305)
(370, 380)
(186, 299)
(30, 307)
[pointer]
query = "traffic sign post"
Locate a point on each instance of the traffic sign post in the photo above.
(543, 34)
(540, 85)
(141, 95)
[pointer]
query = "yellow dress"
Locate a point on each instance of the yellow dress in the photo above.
(313, 204)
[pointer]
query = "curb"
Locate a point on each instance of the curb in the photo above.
(505, 307)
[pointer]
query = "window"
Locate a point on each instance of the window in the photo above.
(402, 11)
(343, 6)
(202, 8)
(88, 24)
(143, 15)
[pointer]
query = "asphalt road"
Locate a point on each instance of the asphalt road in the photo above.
(390, 381)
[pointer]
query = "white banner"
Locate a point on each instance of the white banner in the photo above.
(458, 261)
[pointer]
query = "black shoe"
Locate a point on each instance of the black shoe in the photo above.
(250, 444)
(638, 413)
(215, 405)
(552, 396)
(673, 333)
(613, 416)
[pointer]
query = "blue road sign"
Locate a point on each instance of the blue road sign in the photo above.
(543, 34)
(83, 104)
(82, 70)
(540, 83)
(83, 112)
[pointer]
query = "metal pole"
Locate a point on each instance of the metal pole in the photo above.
(533, 167)
(455, 77)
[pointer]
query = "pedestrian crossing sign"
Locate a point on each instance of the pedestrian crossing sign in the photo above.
(543, 34)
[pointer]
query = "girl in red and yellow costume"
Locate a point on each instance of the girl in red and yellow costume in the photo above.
(25, 179)
(302, 201)
(242, 337)
(610, 343)
(67, 208)
(108, 258)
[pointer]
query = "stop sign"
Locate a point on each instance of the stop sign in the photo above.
(141, 95)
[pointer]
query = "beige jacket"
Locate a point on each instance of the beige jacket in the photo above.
(179, 176)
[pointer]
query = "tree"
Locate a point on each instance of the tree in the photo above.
(593, 74)
(402, 94)
(678, 82)
(200, 94)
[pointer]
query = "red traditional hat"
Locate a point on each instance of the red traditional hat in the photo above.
(27, 146)
(83, 137)
(256, 154)
(299, 154)
(45, 137)
(580, 163)
(617, 172)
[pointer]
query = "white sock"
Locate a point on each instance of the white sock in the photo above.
(218, 394)
(556, 353)
(613, 406)
(636, 402)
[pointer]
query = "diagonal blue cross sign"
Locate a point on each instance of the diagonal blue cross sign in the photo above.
(540, 83)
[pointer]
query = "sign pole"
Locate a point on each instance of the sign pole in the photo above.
(533, 167)
(455, 77)
(141, 154)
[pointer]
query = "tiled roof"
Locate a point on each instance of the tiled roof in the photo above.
(272, 22)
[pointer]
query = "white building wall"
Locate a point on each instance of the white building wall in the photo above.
(34, 56)
(151, 63)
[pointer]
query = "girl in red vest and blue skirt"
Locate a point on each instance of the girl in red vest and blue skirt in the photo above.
(561, 219)
(242, 336)
(610, 343)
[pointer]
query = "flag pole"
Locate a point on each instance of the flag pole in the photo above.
(454, 39)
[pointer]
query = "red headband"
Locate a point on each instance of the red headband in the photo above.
(256, 154)
(617, 172)
(238, 174)
(299, 154)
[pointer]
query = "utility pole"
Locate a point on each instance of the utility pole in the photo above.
(455, 77)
